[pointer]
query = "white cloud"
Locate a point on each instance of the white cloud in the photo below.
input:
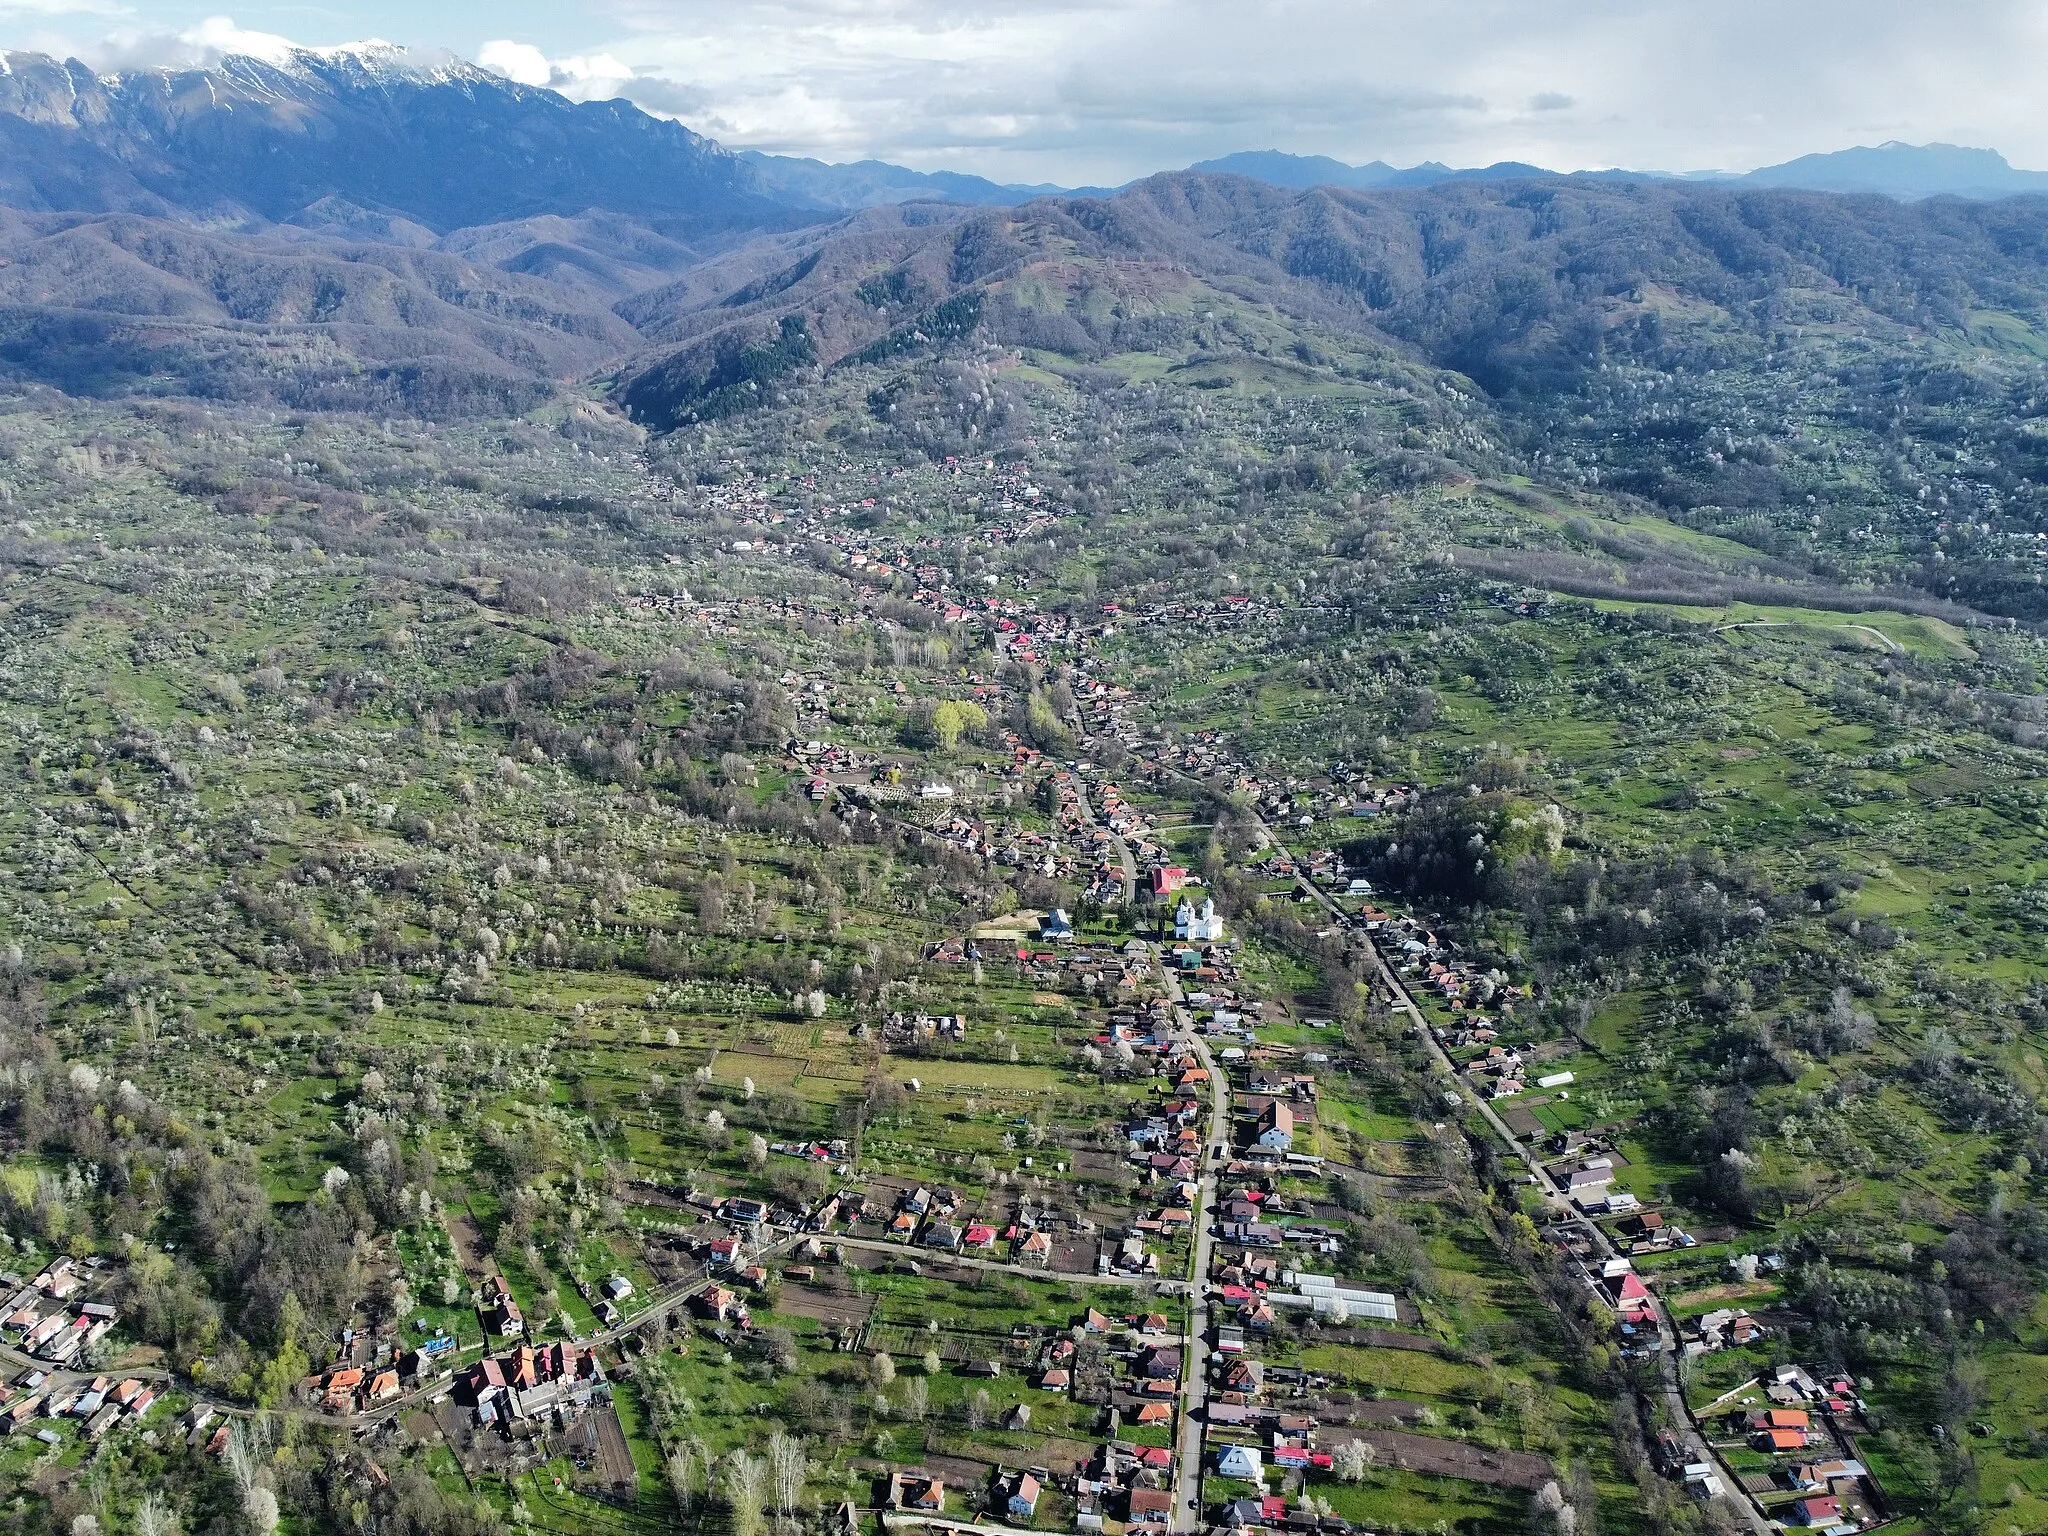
(1056, 88)
(515, 61)
(582, 77)
(591, 69)
(218, 36)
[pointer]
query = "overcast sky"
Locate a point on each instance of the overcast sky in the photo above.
(1098, 92)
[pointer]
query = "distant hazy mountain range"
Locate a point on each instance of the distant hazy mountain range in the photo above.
(379, 143)
(1895, 170)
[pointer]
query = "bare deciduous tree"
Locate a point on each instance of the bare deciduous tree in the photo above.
(746, 1488)
(788, 1467)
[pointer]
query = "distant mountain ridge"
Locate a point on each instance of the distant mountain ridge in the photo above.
(1300, 172)
(1903, 170)
(435, 140)
(1892, 169)
(869, 183)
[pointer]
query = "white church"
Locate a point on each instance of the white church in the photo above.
(1203, 927)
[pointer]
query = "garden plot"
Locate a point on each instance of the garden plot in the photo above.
(835, 1309)
(1450, 1458)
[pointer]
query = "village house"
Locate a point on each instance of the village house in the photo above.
(1163, 1364)
(918, 1491)
(1818, 1475)
(1276, 1128)
(1240, 1461)
(338, 1392)
(503, 1311)
(717, 1303)
(1149, 1507)
(1023, 1500)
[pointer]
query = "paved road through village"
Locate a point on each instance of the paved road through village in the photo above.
(1194, 1362)
(1194, 1355)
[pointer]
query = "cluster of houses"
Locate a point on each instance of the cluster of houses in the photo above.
(1255, 1288)
(1343, 791)
(1835, 1495)
(1586, 1175)
(1498, 1072)
(353, 1388)
(814, 756)
(535, 1382)
(1652, 1232)
(908, 1031)
(1100, 865)
(934, 1218)
(1625, 1293)
(1160, 877)
(835, 1150)
(1202, 755)
(952, 952)
(99, 1404)
(1126, 1483)
(52, 1318)
(1428, 967)
(1779, 1429)
(1260, 1418)
(1804, 1416)
(1834, 1395)
(1016, 1494)
(1166, 1140)
(1806, 1425)
(1010, 508)
(815, 761)
(1248, 1425)
(722, 1241)
(1220, 1015)
(1278, 1101)
(1113, 973)
(1724, 1328)
(1017, 630)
